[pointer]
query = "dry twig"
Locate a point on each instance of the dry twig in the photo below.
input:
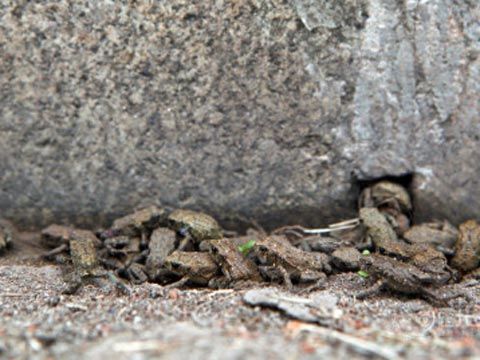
(356, 344)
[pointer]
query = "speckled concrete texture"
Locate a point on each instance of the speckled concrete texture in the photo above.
(271, 109)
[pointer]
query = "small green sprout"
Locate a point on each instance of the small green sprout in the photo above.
(362, 273)
(365, 252)
(245, 248)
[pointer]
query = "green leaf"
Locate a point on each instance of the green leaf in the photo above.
(365, 252)
(245, 248)
(362, 273)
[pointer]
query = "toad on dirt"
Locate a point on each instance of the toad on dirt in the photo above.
(188, 248)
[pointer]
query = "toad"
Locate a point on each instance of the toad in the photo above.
(194, 227)
(404, 278)
(280, 259)
(195, 268)
(467, 248)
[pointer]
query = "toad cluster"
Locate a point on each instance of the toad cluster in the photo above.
(189, 248)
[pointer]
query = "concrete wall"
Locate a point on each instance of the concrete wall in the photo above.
(269, 108)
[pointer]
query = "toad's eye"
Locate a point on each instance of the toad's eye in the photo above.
(175, 266)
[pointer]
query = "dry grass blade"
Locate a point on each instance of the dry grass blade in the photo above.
(342, 225)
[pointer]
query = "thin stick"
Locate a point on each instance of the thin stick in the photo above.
(414, 338)
(142, 345)
(359, 345)
(55, 251)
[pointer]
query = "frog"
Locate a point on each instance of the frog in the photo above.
(193, 227)
(193, 267)
(58, 237)
(162, 243)
(279, 259)
(7, 234)
(139, 223)
(86, 268)
(467, 247)
(404, 278)
(236, 267)
(440, 234)
(381, 233)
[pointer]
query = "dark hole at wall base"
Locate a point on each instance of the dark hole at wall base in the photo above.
(405, 180)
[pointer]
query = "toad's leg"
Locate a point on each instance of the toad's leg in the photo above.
(441, 300)
(244, 284)
(219, 283)
(286, 278)
(185, 242)
(276, 273)
(136, 273)
(230, 233)
(56, 251)
(270, 273)
(143, 240)
(138, 258)
(111, 264)
(372, 290)
(158, 275)
(73, 282)
(119, 284)
(320, 279)
(177, 284)
(106, 279)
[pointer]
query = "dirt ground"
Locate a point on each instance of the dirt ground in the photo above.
(38, 322)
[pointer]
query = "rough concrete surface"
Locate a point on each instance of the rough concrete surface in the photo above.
(272, 109)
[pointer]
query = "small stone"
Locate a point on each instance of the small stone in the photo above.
(320, 308)
(53, 300)
(154, 294)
